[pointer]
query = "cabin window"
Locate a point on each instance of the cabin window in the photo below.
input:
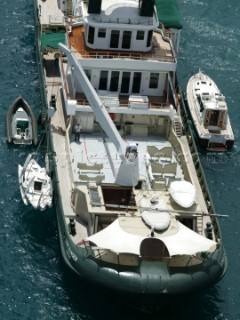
(153, 82)
(149, 38)
(91, 32)
(37, 185)
(125, 82)
(103, 80)
(114, 81)
(137, 76)
(88, 73)
(126, 41)
(101, 33)
(114, 39)
(140, 35)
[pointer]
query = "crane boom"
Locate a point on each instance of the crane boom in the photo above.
(101, 114)
(128, 172)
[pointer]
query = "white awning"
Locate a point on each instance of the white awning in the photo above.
(184, 241)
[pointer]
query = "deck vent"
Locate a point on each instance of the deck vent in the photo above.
(94, 6)
(146, 8)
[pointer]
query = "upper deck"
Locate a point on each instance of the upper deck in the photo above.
(161, 49)
(109, 29)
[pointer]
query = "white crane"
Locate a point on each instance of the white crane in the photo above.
(128, 173)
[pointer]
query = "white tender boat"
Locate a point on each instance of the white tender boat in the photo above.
(209, 112)
(119, 225)
(35, 184)
(21, 123)
(183, 193)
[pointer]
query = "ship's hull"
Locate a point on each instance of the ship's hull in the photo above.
(149, 287)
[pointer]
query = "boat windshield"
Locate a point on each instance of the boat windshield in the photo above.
(22, 124)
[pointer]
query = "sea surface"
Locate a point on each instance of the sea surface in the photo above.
(34, 283)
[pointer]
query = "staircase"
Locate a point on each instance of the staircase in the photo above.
(177, 125)
(200, 225)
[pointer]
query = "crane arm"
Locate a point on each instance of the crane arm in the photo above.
(128, 172)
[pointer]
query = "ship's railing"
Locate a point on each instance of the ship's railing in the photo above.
(135, 21)
(124, 103)
(65, 84)
(166, 33)
(198, 167)
(101, 255)
(42, 82)
(126, 55)
(115, 20)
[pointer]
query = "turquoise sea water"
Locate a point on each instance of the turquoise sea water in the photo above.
(34, 283)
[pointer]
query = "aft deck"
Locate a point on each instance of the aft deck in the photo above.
(95, 158)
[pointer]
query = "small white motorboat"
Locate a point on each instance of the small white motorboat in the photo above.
(209, 112)
(21, 123)
(35, 184)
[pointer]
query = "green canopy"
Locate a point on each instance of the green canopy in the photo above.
(51, 40)
(168, 13)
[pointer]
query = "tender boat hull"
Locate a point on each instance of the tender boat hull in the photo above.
(21, 123)
(204, 144)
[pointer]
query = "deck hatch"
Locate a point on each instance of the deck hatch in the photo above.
(94, 196)
(118, 198)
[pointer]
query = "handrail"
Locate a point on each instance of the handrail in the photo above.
(100, 54)
(126, 104)
(97, 253)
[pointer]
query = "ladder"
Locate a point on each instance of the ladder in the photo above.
(177, 126)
